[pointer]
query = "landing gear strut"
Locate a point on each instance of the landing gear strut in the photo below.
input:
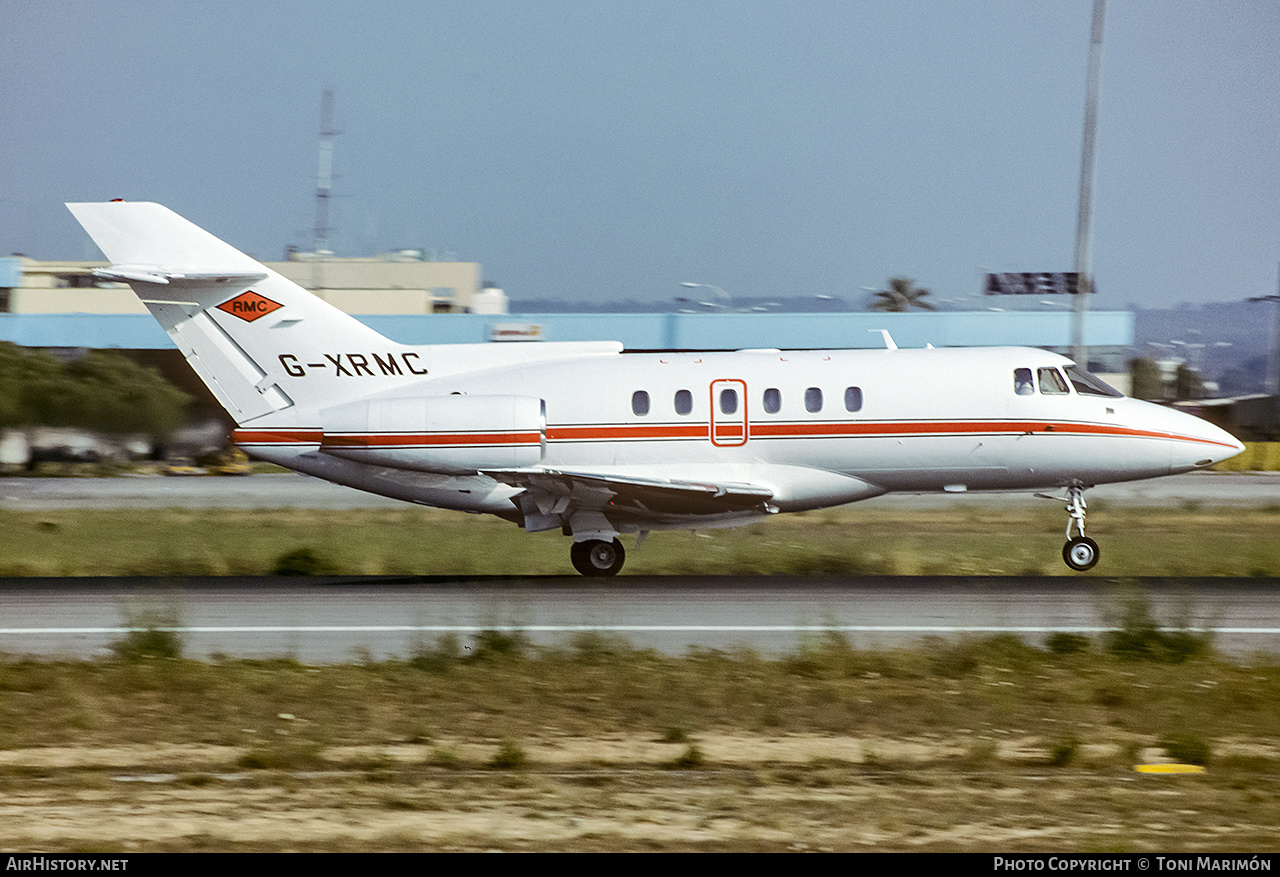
(595, 557)
(1080, 553)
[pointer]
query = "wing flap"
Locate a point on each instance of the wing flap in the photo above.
(558, 490)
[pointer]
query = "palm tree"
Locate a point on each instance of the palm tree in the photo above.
(901, 296)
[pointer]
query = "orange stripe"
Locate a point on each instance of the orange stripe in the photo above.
(618, 431)
(432, 439)
(276, 436)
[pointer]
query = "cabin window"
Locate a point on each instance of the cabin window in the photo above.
(639, 403)
(1022, 382)
(684, 401)
(1052, 383)
(852, 399)
(772, 400)
(729, 401)
(813, 400)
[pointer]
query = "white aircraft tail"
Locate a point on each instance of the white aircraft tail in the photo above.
(261, 343)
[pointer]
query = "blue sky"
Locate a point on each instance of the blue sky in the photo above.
(607, 150)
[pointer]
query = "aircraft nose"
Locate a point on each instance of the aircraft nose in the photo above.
(1200, 444)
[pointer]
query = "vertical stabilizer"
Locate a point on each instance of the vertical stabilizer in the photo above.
(262, 344)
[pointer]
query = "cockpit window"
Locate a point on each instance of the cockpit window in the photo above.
(1022, 382)
(1052, 382)
(1090, 385)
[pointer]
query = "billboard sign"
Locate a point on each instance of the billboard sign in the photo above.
(1060, 283)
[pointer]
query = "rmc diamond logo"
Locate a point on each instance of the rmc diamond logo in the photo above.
(248, 306)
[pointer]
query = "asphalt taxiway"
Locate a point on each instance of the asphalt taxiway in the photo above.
(337, 619)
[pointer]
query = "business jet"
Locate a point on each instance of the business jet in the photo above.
(595, 442)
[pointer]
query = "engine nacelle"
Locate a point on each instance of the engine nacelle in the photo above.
(449, 434)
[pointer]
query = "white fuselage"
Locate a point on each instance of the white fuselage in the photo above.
(816, 428)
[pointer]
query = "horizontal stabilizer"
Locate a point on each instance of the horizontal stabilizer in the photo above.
(140, 234)
(152, 274)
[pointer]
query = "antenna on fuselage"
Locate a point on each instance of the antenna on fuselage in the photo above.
(888, 339)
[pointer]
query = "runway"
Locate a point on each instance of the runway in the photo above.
(340, 619)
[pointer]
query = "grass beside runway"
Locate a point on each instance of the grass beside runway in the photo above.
(491, 744)
(957, 540)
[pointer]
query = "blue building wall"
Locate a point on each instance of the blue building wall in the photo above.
(643, 331)
(10, 272)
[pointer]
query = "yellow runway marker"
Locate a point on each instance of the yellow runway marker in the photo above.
(1168, 768)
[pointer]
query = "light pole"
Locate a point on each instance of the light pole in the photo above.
(1084, 212)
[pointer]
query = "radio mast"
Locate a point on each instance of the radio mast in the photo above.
(324, 182)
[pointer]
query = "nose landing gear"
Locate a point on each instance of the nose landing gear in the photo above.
(1080, 553)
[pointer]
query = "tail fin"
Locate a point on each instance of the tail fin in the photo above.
(261, 343)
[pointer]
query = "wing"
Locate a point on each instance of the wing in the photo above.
(551, 496)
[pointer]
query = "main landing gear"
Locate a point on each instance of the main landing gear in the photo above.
(595, 557)
(1080, 553)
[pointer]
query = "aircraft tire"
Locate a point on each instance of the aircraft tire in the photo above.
(1081, 553)
(595, 557)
